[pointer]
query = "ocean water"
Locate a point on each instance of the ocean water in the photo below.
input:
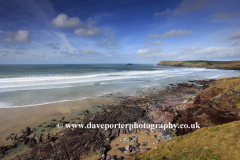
(26, 85)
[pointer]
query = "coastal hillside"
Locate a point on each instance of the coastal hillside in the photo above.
(217, 109)
(235, 65)
(218, 142)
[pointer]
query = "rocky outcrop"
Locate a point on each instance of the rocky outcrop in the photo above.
(218, 104)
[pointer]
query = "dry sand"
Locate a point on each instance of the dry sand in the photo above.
(13, 120)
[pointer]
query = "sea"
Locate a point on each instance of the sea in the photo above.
(28, 85)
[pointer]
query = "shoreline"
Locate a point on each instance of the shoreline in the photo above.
(18, 115)
(13, 120)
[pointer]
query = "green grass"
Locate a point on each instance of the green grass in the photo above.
(201, 144)
(201, 61)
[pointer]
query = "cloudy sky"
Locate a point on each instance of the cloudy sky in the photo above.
(118, 31)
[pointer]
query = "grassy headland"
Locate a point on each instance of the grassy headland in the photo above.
(235, 65)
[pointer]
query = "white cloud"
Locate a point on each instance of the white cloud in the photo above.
(87, 32)
(19, 52)
(83, 53)
(190, 5)
(110, 42)
(8, 45)
(151, 52)
(185, 6)
(53, 45)
(79, 52)
(19, 36)
(21, 48)
(81, 29)
(86, 51)
(36, 57)
(235, 35)
(223, 15)
(171, 33)
(3, 53)
(186, 53)
(22, 36)
(63, 21)
(217, 52)
(234, 38)
(63, 40)
(236, 43)
(9, 34)
(157, 43)
(91, 21)
(168, 11)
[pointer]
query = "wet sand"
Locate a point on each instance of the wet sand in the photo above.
(13, 120)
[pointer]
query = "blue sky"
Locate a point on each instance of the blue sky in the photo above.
(118, 31)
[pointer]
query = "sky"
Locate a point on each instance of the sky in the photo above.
(118, 31)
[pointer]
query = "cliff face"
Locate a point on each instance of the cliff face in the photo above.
(218, 104)
(217, 109)
(235, 65)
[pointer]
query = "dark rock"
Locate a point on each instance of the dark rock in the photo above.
(157, 141)
(144, 149)
(144, 144)
(108, 157)
(86, 111)
(121, 149)
(154, 136)
(27, 131)
(135, 138)
(162, 135)
(127, 139)
(101, 150)
(133, 154)
(146, 132)
(134, 144)
(113, 157)
(127, 148)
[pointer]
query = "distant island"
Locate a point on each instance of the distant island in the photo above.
(233, 65)
(129, 64)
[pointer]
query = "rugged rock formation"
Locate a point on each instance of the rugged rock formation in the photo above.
(218, 104)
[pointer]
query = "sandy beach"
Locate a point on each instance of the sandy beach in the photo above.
(13, 120)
